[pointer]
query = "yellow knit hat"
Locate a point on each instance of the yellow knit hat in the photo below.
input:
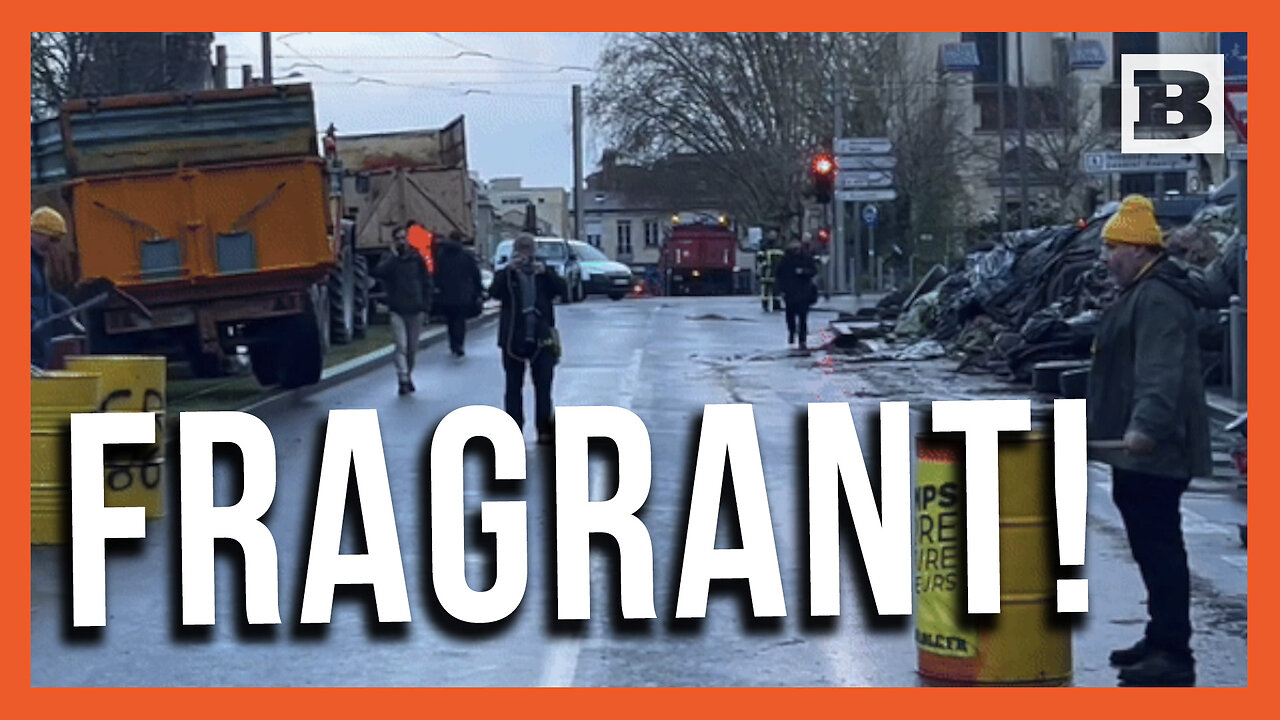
(1134, 224)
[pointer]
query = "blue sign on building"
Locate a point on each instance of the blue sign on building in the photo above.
(1233, 46)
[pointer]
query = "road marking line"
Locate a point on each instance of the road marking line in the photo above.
(562, 661)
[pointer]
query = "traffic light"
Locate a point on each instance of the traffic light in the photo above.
(823, 172)
(824, 236)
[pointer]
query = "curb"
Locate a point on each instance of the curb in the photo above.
(339, 373)
(356, 367)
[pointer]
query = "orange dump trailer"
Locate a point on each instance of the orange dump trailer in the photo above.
(211, 209)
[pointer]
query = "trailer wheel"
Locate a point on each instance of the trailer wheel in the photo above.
(265, 359)
(361, 314)
(302, 345)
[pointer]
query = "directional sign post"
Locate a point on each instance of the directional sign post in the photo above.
(866, 162)
(860, 179)
(863, 146)
(1106, 162)
(866, 175)
(873, 195)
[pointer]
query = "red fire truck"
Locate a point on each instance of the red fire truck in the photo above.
(700, 256)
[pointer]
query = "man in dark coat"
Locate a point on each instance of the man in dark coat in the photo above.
(404, 276)
(1145, 392)
(795, 273)
(526, 331)
(458, 277)
(47, 228)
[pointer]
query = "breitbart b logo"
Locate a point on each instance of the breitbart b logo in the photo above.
(1181, 114)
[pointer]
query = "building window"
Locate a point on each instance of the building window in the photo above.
(1138, 43)
(989, 69)
(624, 237)
(652, 236)
(594, 232)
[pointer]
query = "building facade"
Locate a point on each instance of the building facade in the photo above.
(509, 198)
(1068, 112)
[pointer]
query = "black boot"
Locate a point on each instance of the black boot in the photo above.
(1161, 668)
(1131, 655)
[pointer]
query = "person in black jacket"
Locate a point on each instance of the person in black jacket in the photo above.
(458, 276)
(404, 276)
(795, 275)
(1145, 393)
(526, 331)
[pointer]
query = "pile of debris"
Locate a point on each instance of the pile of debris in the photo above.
(1028, 303)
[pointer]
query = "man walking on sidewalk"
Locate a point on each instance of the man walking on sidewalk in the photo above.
(526, 331)
(458, 276)
(1145, 390)
(404, 276)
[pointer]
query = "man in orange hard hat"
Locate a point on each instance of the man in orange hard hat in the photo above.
(1145, 391)
(48, 227)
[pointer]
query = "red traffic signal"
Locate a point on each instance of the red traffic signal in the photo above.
(823, 172)
(824, 236)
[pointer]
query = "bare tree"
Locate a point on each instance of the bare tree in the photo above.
(925, 122)
(66, 65)
(752, 106)
(59, 62)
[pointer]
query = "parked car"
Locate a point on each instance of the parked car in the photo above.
(557, 255)
(600, 275)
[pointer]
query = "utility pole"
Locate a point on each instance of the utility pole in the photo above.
(838, 262)
(1002, 74)
(1022, 142)
(266, 58)
(577, 163)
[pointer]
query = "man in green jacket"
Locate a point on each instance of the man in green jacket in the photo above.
(1145, 391)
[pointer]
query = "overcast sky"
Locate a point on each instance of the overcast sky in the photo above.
(514, 89)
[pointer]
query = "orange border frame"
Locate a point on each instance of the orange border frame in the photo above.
(581, 15)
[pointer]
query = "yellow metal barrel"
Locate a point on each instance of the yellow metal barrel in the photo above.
(131, 383)
(1026, 642)
(54, 396)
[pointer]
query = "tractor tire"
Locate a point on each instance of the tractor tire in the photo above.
(341, 307)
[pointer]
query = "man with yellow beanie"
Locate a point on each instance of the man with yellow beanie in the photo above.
(1145, 391)
(47, 228)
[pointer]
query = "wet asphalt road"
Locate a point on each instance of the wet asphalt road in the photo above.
(663, 359)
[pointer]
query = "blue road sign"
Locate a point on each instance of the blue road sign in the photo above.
(1234, 46)
(870, 214)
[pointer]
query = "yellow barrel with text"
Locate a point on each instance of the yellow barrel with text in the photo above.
(1026, 642)
(131, 383)
(54, 396)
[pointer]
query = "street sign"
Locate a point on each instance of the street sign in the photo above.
(1237, 107)
(958, 57)
(1087, 55)
(1114, 161)
(1233, 47)
(866, 162)
(876, 195)
(870, 215)
(859, 179)
(1238, 152)
(863, 146)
